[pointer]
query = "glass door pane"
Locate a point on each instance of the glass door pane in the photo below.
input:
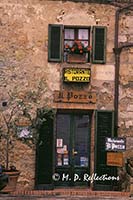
(80, 151)
(62, 140)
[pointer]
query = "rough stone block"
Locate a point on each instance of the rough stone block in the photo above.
(130, 107)
(131, 186)
(129, 123)
(129, 143)
(122, 38)
(2, 63)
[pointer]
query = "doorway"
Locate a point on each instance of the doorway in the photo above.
(72, 157)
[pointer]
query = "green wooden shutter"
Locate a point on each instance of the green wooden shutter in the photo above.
(55, 43)
(99, 44)
(44, 150)
(104, 128)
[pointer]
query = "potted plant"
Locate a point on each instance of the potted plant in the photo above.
(3, 179)
(77, 52)
(7, 134)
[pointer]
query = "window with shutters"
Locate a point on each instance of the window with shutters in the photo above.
(88, 44)
(77, 41)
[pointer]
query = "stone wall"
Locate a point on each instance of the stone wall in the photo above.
(24, 66)
(126, 82)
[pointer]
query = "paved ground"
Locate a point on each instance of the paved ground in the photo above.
(7, 197)
(65, 194)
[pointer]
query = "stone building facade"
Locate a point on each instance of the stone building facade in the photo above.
(28, 74)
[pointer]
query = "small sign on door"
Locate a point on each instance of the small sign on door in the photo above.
(59, 143)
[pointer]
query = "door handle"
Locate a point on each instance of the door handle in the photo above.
(74, 152)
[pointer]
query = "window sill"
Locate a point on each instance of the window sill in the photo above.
(76, 58)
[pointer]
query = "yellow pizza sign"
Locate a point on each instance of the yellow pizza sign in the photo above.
(77, 75)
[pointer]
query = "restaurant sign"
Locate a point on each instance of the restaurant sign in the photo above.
(81, 75)
(74, 97)
(115, 144)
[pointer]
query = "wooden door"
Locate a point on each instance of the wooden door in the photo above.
(72, 149)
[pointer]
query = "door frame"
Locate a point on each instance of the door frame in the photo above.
(72, 113)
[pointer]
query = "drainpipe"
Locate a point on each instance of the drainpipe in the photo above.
(117, 51)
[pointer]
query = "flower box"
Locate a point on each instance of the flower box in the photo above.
(76, 58)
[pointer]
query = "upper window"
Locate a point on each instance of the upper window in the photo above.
(77, 41)
(66, 41)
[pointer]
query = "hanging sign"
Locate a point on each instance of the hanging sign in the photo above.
(80, 75)
(74, 97)
(115, 144)
(24, 132)
(115, 159)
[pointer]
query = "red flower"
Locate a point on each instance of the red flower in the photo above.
(77, 47)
